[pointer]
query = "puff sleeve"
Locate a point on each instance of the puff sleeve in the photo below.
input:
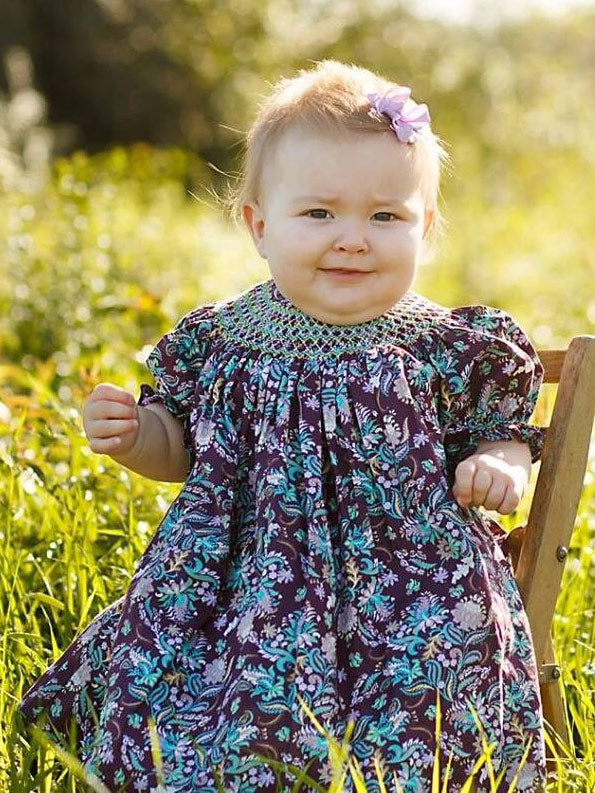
(175, 363)
(490, 377)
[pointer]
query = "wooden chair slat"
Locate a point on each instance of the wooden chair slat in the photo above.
(552, 361)
(553, 698)
(539, 549)
(558, 489)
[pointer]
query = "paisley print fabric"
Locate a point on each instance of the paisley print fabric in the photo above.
(316, 551)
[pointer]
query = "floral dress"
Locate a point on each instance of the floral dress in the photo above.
(316, 554)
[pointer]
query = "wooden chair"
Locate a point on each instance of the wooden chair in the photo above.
(539, 549)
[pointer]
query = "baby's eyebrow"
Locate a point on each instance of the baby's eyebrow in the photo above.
(319, 199)
(332, 199)
(391, 200)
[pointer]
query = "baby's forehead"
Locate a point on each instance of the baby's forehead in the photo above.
(318, 160)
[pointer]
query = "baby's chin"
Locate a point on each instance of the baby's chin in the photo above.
(342, 306)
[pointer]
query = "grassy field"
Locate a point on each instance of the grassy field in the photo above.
(73, 524)
(96, 275)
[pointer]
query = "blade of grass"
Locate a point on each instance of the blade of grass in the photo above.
(338, 753)
(71, 762)
(356, 775)
(447, 772)
(303, 777)
(487, 750)
(436, 769)
(156, 750)
(398, 788)
(279, 766)
(512, 786)
(379, 774)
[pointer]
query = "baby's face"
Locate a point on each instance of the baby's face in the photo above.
(340, 221)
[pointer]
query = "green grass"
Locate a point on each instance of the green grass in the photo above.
(72, 524)
(98, 264)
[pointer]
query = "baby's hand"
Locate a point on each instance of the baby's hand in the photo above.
(110, 419)
(489, 481)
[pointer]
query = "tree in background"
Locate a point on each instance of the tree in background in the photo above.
(513, 101)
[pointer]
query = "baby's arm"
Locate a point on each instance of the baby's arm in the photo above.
(494, 476)
(146, 439)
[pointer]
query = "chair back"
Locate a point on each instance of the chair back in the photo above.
(539, 549)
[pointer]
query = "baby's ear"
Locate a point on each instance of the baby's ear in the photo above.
(254, 220)
(429, 221)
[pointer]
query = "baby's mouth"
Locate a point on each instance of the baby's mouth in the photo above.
(345, 271)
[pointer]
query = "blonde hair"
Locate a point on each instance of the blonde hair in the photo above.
(330, 97)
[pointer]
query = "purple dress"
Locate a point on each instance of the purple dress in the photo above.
(316, 551)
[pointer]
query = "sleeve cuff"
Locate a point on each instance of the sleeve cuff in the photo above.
(525, 433)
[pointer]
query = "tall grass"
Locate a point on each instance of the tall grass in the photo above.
(72, 524)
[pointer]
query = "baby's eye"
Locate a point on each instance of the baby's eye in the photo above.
(385, 216)
(320, 214)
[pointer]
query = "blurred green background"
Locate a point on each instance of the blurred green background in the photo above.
(114, 114)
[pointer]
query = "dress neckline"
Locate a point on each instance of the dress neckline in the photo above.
(264, 319)
(276, 296)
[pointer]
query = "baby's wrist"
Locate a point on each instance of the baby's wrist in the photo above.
(135, 453)
(505, 445)
(516, 454)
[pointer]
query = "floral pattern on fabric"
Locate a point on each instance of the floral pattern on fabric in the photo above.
(316, 549)
(175, 362)
(490, 382)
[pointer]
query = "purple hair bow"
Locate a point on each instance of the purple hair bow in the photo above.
(406, 116)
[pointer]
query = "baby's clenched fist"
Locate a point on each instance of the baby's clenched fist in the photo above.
(485, 481)
(111, 419)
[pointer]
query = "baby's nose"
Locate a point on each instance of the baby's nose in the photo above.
(352, 240)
